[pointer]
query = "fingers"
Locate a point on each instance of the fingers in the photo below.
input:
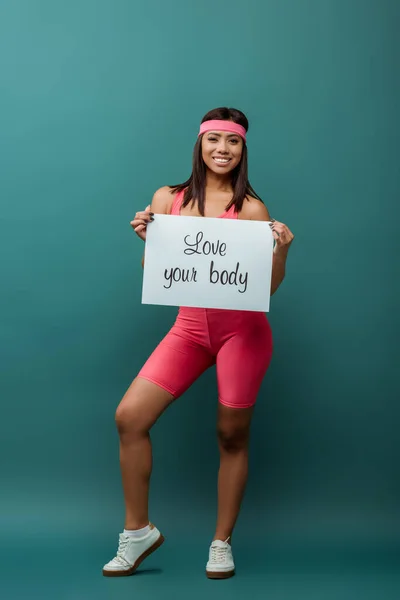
(276, 230)
(281, 232)
(142, 219)
(144, 216)
(290, 234)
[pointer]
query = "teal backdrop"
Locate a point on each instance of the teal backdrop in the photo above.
(100, 105)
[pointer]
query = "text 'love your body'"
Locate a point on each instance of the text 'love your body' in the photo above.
(216, 274)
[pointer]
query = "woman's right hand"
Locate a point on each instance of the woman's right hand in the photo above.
(140, 222)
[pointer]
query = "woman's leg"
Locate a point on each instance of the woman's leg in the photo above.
(170, 370)
(242, 363)
(233, 437)
(139, 409)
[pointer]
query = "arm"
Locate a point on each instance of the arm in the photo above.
(278, 267)
(257, 211)
(160, 204)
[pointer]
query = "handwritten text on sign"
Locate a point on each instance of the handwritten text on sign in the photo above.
(208, 263)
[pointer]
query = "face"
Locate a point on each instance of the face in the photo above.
(221, 151)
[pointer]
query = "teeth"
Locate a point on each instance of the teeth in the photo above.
(221, 160)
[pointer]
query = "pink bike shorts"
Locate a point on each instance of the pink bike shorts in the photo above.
(239, 343)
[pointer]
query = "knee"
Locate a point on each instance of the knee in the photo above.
(130, 422)
(233, 439)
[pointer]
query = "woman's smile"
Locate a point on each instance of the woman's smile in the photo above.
(219, 160)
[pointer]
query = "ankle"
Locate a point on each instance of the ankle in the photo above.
(223, 537)
(137, 533)
(134, 525)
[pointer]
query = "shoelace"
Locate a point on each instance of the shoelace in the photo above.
(123, 542)
(218, 554)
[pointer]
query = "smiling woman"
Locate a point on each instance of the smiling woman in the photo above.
(238, 342)
(220, 149)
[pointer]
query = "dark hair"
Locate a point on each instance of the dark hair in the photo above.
(195, 186)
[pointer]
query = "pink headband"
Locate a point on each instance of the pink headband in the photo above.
(219, 125)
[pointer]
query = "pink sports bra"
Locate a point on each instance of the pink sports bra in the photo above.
(176, 208)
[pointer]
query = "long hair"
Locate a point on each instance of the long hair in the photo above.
(195, 186)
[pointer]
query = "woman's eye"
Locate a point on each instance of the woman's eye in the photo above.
(234, 141)
(212, 139)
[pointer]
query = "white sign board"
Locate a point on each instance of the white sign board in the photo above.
(208, 263)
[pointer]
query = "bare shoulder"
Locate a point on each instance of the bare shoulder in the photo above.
(162, 200)
(254, 210)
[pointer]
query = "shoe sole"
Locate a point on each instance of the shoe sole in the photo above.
(141, 558)
(220, 574)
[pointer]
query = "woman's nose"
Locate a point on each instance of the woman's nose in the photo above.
(222, 148)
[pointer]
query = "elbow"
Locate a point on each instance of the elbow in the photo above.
(275, 284)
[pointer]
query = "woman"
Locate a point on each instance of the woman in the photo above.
(238, 342)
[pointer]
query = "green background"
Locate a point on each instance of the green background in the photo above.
(100, 105)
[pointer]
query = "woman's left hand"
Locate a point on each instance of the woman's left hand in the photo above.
(282, 235)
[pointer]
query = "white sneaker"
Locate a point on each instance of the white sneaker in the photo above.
(131, 552)
(220, 561)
